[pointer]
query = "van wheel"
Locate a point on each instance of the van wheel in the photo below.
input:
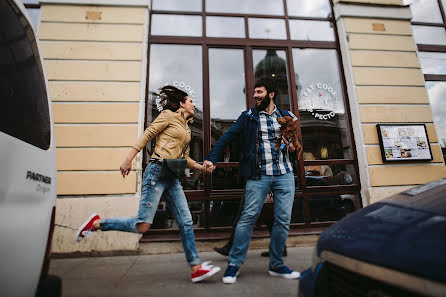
(49, 286)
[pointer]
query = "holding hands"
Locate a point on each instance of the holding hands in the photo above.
(208, 166)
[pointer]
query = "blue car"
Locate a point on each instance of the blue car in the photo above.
(395, 247)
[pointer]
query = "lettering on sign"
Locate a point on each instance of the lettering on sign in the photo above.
(321, 100)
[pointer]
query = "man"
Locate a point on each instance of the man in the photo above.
(265, 169)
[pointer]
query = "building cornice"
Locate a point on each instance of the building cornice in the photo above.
(371, 11)
(143, 3)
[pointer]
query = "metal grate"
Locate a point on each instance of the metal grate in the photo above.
(345, 283)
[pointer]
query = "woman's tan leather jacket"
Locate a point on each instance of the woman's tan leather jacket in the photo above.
(172, 134)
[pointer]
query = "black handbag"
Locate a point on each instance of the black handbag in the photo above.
(172, 169)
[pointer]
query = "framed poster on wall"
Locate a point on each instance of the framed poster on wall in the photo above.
(404, 142)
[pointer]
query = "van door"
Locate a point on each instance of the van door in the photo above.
(27, 154)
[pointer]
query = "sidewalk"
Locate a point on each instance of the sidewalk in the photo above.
(168, 275)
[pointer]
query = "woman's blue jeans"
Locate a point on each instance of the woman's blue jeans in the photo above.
(152, 191)
(255, 194)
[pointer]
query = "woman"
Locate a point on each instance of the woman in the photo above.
(172, 134)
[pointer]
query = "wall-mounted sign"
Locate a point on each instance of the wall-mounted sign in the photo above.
(401, 142)
(321, 100)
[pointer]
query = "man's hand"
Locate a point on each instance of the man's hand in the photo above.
(208, 166)
(291, 147)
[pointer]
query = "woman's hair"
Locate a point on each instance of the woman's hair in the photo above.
(171, 97)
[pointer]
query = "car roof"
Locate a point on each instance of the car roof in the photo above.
(429, 197)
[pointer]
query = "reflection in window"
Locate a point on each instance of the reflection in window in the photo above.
(311, 30)
(432, 63)
(270, 7)
(324, 124)
(176, 25)
(307, 8)
(266, 28)
(225, 27)
(177, 5)
(227, 101)
(165, 220)
(426, 11)
(180, 66)
(437, 95)
(328, 175)
(429, 35)
(272, 63)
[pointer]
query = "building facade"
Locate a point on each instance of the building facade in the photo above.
(343, 67)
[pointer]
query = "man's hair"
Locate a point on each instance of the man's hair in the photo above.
(171, 97)
(268, 82)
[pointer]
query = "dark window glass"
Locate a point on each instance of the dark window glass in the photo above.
(426, 11)
(326, 207)
(223, 212)
(225, 27)
(429, 35)
(311, 30)
(24, 112)
(307, 8)
(227, 101)
(176, 25)
(297, 214)
(271, 7)
(263, 28)
(177, 5)
(180, 66)
(324, 123)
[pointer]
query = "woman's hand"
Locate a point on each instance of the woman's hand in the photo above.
(126, 165)
(125, 168)
(198, 166)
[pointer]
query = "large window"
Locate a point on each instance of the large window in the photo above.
(216, 49)
(429, 29)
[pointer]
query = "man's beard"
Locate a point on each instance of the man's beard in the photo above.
(264, 103)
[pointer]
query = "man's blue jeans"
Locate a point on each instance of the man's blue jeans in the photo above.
(255, 194)
(152, 191)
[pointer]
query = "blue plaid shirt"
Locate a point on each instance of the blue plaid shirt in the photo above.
(272, 161)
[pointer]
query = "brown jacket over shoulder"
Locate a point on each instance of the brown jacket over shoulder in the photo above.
(172, 134)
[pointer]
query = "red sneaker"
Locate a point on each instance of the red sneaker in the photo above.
(204, 271)
(87, 228)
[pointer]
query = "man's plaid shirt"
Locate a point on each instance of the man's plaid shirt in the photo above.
(272, 162)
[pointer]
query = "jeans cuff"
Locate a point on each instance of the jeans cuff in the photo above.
(195, 262)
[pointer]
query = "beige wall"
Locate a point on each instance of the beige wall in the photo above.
(95, 60)
(94, 63)
(386, 86)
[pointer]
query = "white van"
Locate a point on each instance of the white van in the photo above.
(27, 160)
